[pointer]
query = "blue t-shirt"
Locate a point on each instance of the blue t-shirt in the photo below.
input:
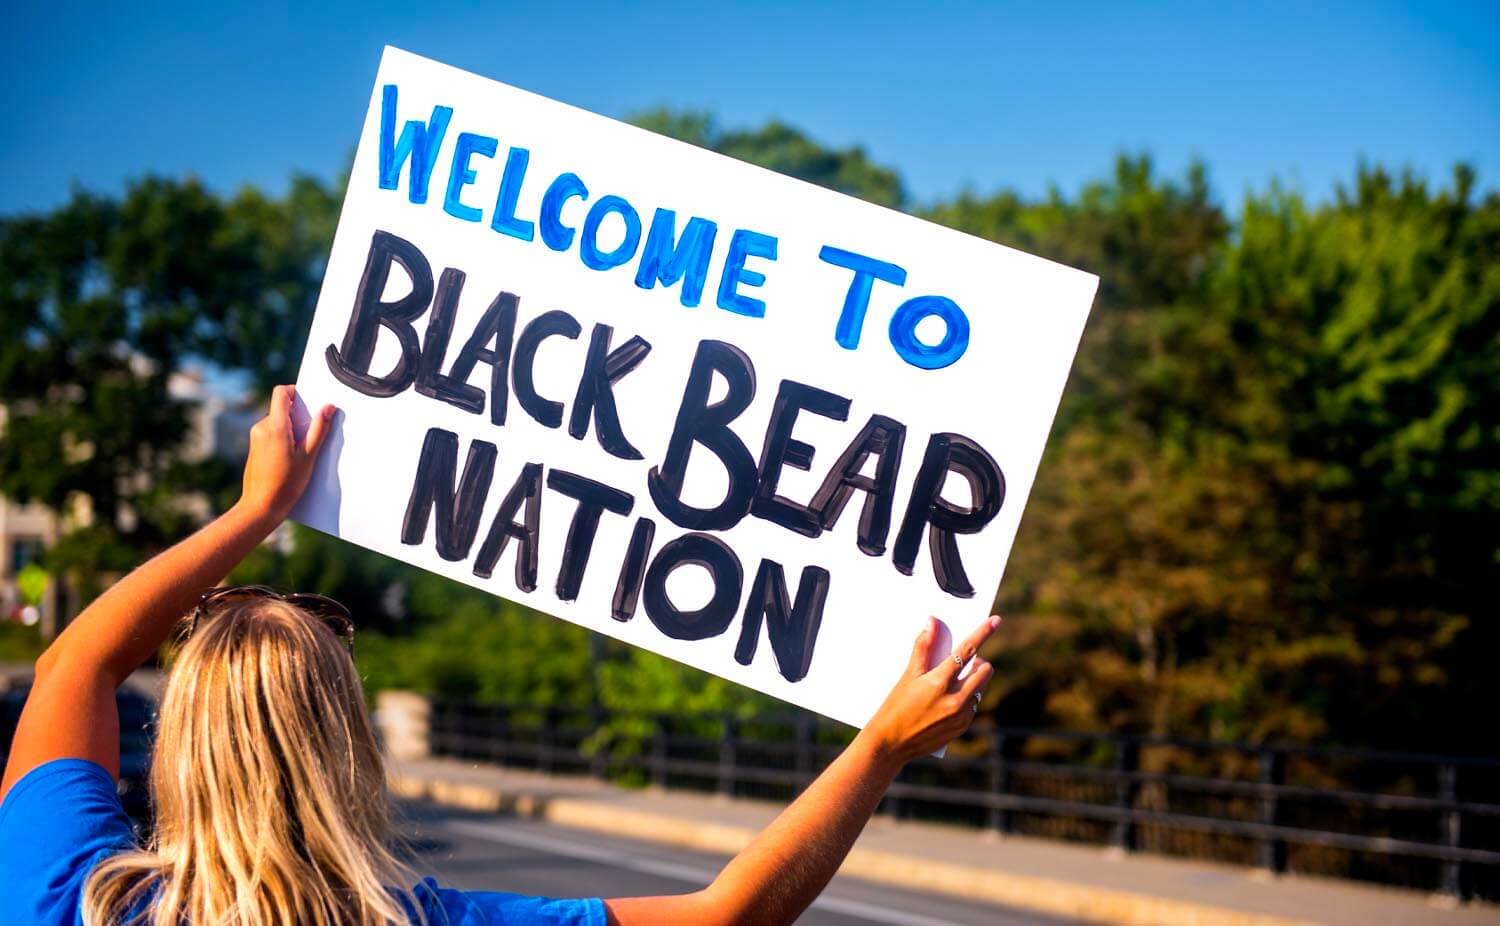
(64, 817)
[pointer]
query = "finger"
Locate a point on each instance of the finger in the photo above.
(317, 430)
(976, 681)
(921, 650)
(280, 412)
(963, 652)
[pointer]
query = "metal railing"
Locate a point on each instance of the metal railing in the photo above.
(1421, 821)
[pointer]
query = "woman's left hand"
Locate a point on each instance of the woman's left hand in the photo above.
(280, 465)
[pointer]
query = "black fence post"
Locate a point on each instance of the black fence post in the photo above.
(1452, 835)
(1000, 817)
(1127, 759)
(461, 730)
(500, 726)
(546, 737)
(437, 729)
(803, 733)
(728, 755)
(1270, 851)
(456, 730)
(659, 732)
(599, 761)
(494, 740)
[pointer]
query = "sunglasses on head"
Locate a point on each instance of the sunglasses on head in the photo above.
(334, 616)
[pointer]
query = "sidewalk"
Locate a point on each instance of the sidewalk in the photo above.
(1089, 884)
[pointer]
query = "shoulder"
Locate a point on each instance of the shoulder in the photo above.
(57, 822)
(60, 794)
(493, 908)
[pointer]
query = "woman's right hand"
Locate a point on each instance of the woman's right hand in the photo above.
(928, 708)
(280, 464)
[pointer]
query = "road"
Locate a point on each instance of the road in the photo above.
(486, 852)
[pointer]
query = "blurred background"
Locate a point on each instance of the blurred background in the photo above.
(1268, 520)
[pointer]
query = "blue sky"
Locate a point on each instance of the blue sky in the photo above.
(983, 95)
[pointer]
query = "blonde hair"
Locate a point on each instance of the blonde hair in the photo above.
(267, 785)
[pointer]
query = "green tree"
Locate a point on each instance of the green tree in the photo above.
(1261, 511)
(102, 303)
(1129, 539)
(786, 150)
(1370, 333)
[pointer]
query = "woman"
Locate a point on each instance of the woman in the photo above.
(267, 783)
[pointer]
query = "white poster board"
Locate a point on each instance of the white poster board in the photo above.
(798, 423)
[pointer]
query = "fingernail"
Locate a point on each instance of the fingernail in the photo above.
(994, 621)
(328, 412)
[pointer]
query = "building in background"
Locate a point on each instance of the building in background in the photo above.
(25, 532)
(219, 421)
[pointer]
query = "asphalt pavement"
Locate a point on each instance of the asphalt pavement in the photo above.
(475, 851)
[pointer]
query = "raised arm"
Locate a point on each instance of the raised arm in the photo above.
(784, 870)
(71, 712)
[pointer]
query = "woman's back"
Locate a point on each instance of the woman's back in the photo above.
(268, 794)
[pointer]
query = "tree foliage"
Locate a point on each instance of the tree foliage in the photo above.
(1267, 509)
(1262, 512)
(102, 303)
(784, 149)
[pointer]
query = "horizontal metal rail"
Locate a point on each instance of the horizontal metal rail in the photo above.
(988, 777)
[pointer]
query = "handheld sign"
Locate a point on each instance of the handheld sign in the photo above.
(751, 424)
